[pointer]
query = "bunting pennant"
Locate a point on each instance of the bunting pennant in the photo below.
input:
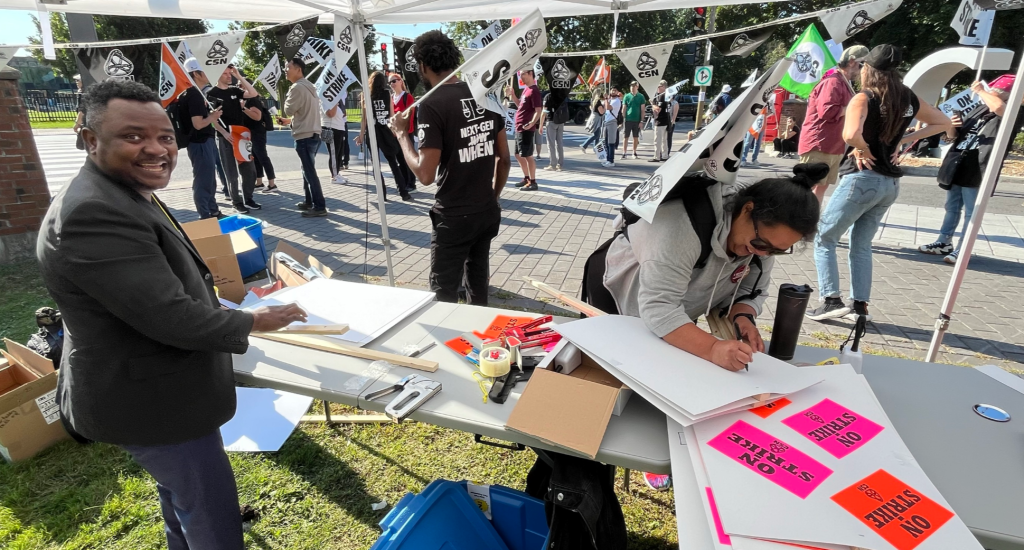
(516, 48)
(602, 74)
(562, 74)
(215, 51)
(183, 52)
(743, 43)
(121, 63)
(292, 37)
(6, 54)
(405, 63)
(846, 21)
(344, 40)
(271, 75)
(332, 84)
(714, 150)
(488, 35)
(647, 65)
(173, 78)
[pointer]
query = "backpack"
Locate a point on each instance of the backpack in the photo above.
(561, 114)
(180, 119)
(693, 191)
(619, 119)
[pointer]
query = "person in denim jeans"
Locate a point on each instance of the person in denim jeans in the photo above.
(870, 178)
(597, 112)
(304, 106)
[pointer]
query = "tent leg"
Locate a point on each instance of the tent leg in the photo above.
(988, 184)
(374, 156)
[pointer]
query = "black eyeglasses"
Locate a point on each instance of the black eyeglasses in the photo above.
(393, 81)
(764, 246)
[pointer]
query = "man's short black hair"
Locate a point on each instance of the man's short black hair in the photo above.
(435, 50)
(99, 95)
(300, 63)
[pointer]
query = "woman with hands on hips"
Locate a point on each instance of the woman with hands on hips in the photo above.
(653, 270)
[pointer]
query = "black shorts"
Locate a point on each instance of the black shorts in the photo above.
(524, 143)
(632, 128)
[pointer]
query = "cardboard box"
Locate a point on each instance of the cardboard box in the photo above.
(586, 369)
(29, 418)
(289, 277)
(220, 251)
(569, 410)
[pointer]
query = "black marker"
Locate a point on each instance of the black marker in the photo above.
(739, 338)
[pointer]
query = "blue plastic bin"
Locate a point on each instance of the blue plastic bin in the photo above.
(255, 260)
(442, 517)
(519, 518)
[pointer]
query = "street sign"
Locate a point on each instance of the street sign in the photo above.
(703, 75)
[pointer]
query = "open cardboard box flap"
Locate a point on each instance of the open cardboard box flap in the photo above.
(289, 277)
(220, 251)
(29, 418)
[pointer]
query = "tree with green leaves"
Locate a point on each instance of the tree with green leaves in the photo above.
(112, 27)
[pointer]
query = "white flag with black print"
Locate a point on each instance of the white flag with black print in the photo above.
(332, 84)
(344, 40)
(648, 65)
(215, 51)
(676, 88)
(518, 47)
(1000, 4)
(183, 52)
(115, 63)
(715, 149)
(6, 54)
(846, 21)
(271, 75)
(743, 43)
(488, 35)
(318, 50)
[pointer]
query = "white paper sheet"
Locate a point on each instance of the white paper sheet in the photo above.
(691, 519)
(368, 310)
(741, 494)
(263, 420)
(691, 383)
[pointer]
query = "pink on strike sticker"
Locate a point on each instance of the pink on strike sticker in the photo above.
(771, 458)
(833, 427)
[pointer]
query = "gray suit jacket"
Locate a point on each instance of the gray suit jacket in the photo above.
(147, 348)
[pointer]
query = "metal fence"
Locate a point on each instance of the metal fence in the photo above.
(52, 106)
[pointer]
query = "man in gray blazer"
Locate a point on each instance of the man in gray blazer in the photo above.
(146, 362)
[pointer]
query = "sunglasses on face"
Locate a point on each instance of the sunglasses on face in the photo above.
(764, 246)
(393, 81)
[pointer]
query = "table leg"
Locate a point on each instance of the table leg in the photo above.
(625, 480)
(327, 412)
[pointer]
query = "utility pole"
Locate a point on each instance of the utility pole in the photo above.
(709, 28)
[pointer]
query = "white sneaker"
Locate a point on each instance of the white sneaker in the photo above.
(606, 164)
(743, 164)
(937, 248)
(753, 163)
(952, 257)
(549, 168)
(339, 179)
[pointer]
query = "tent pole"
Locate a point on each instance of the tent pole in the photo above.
(988, 184)
(371, 123)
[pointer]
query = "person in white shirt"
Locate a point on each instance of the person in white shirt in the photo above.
(611, 126)
(334, 131)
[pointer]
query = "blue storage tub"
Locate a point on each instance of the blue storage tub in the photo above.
(519, 518)
(255, 260)
(442, 517)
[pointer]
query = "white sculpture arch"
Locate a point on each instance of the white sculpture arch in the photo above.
(931, 74)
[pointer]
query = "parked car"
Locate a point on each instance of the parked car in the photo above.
(579, 109)
(687, 106)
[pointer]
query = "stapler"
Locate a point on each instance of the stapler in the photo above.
(415, 390)
(307, 273)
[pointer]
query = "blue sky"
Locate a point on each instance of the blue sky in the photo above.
(18, 27)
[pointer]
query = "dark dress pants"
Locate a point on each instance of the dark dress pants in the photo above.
(460, 247)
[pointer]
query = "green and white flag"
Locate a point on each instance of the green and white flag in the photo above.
(811, 59)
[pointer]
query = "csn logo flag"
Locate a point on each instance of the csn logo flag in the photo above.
(715, 150)
(516, 48)
(215, 51)
(846, 21)
(647, 65)
(271, 75)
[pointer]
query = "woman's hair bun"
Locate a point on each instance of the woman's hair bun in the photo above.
(808, 175)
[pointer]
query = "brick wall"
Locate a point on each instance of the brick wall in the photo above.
(24, 196)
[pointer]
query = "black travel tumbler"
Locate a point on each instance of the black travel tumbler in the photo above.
(789, 317)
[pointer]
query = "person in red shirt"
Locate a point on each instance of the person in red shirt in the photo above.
(821, 137)
(527, 119)
(402, 100)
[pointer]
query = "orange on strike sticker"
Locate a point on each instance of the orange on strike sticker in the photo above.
(897, 512)
(501, 323)
(764, 411)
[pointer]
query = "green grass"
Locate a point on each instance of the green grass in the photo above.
(45, 125)
(315, 493)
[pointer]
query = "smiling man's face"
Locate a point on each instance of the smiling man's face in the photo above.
(134, 144)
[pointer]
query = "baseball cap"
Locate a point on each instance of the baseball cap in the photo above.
(192, 65)
(857, 53)
(884, 57)
(726, 89)
(1004, 82)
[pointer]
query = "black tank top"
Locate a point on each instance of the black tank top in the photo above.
(909, 106)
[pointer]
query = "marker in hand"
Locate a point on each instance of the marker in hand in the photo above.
(739, 336)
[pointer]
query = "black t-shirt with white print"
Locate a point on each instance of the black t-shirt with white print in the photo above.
(466, 133)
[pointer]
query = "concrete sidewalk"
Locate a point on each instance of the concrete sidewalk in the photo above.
(549, 234)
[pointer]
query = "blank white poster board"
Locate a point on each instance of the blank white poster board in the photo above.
(263, 419)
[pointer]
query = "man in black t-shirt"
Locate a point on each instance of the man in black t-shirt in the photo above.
(662, 108)
(235, 102)
(202, 150)
(463, 148)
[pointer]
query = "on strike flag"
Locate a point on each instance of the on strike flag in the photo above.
(317, 49)
(405, 63)
(173, 78)
(291, 38)
(516, 48)
(270, 76)
(601, 74)
(742, 43)
(215, 51)
(183, 52)
(647, 65)
(486, 36)
(846, 21)
(243, 143)
(331, 85)
(811, 59)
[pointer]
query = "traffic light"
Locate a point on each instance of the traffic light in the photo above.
(690, 51)
(699, 20)
(384, 55)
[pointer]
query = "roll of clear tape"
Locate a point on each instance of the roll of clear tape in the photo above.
(494, 362)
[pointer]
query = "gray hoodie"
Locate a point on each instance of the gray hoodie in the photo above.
(303, 106)
(651, 274)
